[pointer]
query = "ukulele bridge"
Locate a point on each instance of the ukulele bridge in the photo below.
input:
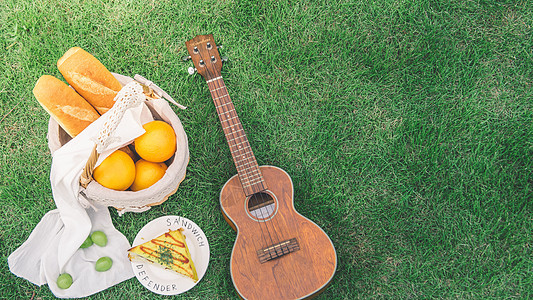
(278, 250)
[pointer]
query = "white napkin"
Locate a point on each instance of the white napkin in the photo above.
(53, 246)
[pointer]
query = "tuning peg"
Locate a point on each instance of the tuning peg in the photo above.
(219, 46)
(224, 58)
(191, 70)
(186, 58)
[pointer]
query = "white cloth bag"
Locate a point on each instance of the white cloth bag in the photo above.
(53, 246)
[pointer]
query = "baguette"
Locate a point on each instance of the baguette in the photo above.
(90, 78)
(68, 108)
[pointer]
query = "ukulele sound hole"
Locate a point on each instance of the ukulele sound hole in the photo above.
(261, 206)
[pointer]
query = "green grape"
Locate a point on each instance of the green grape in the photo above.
(99, 238)
(87, 243)
(64, 281)
(103, 264)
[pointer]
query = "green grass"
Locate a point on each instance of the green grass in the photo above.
(406, 127)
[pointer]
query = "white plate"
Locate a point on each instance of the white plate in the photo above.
(160, 280)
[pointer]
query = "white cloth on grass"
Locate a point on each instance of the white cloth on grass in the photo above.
(53, 246)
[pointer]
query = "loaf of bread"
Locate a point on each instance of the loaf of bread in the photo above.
(90, 78)
(68, 108)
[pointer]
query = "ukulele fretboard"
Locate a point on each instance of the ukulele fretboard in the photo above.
(243, 156)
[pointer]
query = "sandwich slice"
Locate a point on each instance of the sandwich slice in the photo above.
(169, 251)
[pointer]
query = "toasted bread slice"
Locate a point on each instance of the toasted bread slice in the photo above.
(168, 250)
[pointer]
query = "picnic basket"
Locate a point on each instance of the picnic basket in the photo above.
(91, 192)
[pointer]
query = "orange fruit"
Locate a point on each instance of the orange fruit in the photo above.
(158, 143)
(147, 173)
(116, 172)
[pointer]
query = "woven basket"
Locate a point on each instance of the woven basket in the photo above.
(142, 200)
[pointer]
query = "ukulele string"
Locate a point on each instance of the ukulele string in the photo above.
(217, 95)
(262, 200)
(246, 143)
(272, 224)
(273, 237)
(275, 223)
(262, 217)
(247, 158)
(223, 110)
(266, 224)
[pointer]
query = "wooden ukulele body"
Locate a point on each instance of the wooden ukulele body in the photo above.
(299, 274)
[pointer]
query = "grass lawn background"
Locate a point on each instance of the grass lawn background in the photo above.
(406, 127)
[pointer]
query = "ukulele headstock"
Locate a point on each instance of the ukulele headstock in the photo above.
(204, 55)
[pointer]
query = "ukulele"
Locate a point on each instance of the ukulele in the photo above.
(278, 253)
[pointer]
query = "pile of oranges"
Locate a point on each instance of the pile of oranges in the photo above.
(139, 169)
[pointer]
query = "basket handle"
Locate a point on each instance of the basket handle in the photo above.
(157, 90)
(87, 173)
(131, 95)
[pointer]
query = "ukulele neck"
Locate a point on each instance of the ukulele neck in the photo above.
(247, 168)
